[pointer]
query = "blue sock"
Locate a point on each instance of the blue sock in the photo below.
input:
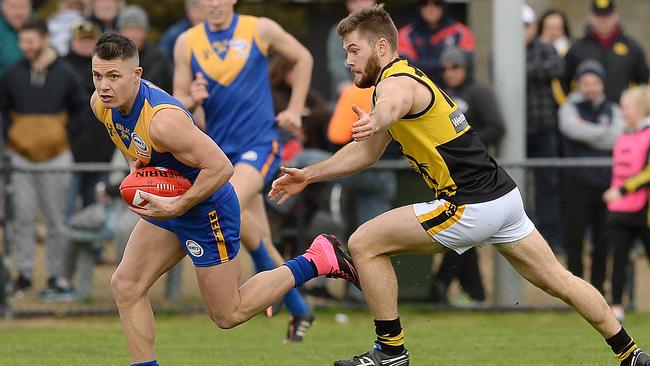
(295, 303)
(262, 259)
(303, 270)
(148, 363)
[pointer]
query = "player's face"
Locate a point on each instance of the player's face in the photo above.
(31, 43)
(591, 87)
(116, 81)
(362, 60)
(220, 12)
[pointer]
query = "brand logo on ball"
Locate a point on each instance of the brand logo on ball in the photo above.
(194, 248)
(139, 142)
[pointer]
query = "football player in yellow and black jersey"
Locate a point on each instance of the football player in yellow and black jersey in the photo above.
(474, 202)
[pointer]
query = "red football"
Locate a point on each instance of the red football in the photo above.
(166, 184)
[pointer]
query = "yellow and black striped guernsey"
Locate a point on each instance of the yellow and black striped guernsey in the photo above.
(440, 145)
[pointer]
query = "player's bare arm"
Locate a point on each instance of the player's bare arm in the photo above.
(396, 97)
(191, 90)
(285, 44)
(352, 158)
(172, 131)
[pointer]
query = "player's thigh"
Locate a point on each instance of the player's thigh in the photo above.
(219, 286)
(149, 253)
(247, 181)
(393, 232)
(534, 260)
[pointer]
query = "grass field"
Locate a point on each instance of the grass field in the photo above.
(433, 338)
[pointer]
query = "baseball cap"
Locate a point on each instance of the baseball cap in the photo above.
(590, 66)
(133, 15)
(603, 7)
(85, 28)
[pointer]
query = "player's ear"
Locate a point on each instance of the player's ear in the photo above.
(138, 72)
(382, 47)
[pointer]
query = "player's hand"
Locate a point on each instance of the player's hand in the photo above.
(135, 165)
(291, 183)
(364, 127)
(612, 195)
(159, 210)
(291, 121)
(199, 89)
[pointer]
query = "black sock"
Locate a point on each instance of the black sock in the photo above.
(622, 344)
(390, 337)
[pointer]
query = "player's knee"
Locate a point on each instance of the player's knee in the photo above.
(125, 288)
(359, 244)
(223, 321)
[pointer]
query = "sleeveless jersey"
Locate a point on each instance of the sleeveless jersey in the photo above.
(630, 156)
(130, 133)
(440, 145)
(239, 110)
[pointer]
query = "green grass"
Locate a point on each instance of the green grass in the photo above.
(433, 338)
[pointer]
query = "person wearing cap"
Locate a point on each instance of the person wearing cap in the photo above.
(423, 40)
(133, 22)
(195, 11)
(89, 142)
(605, 41)
(589, 125)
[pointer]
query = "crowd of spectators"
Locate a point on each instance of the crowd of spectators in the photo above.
(573, 89)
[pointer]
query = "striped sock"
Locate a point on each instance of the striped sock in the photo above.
(622, 344)
(390, 336)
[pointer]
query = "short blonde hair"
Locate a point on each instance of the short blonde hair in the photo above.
(372, 23)
(641, 94)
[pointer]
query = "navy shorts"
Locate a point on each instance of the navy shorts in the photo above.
(209, 232)
(263, 157)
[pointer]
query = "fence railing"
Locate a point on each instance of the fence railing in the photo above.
(102, 301)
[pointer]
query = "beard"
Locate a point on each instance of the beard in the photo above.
(370, 73)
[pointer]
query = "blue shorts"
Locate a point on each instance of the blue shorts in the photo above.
(209, 232)
(263, 157)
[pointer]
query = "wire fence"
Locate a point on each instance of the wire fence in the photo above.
(89, 248)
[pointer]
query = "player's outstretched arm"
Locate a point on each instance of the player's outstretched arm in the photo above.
(395, 99)
(288, 46)
(171, 130)
(352, 158)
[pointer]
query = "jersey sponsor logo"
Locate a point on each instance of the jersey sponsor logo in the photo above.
(194, 248)
(139, 142)
(459, 121)
(249, 155)
(239, 44)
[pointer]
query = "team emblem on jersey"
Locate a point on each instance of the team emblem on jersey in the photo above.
(620, 49)
(139, 142)
(194, 248)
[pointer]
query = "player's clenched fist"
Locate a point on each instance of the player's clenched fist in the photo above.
(199, 89)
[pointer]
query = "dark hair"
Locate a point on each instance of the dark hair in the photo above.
(114, 45)
(36, 24)
(373, 23)
(550, 12)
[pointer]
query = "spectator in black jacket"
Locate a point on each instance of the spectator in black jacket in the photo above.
(542, 137)
(133, 22)
(40, 96)
(589, 124)
(604, 41)
(89, 142)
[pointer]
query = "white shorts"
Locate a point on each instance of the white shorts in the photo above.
(502, 220)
